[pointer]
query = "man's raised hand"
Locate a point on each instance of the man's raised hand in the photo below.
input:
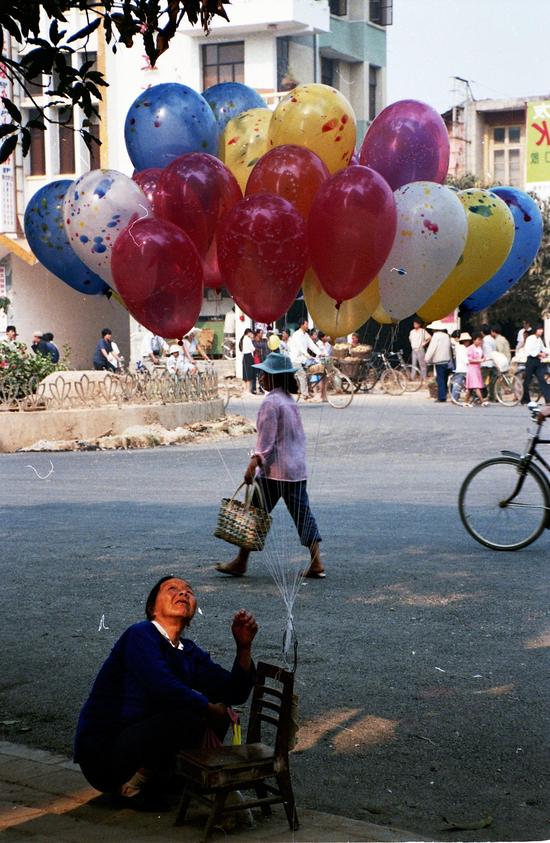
(244, 629)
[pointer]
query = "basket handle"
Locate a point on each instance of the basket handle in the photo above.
(250, 489)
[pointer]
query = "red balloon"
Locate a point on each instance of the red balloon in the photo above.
(290, 171)
(262, 253)
(158, 273)
(194, 192)
(351, 229)
(148, 180)
(212, 276)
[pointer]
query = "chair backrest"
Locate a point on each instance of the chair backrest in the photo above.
(271, 704)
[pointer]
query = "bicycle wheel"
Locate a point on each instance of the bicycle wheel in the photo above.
(393, 382)
(412, 376)
(456, 389)
(507, 390)
(492, 516)
(339, 390)
(368, 378)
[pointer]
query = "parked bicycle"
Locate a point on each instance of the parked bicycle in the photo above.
(412, 374)
(376, 368)
(325, 379)
(504, 502)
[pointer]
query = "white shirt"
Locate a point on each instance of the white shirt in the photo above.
(534, 346)
(147, 345)
(164, 634)
(461, 359)
(248, 345)
(418, 337)
(229, 322)
(299, 345)
(489, 345)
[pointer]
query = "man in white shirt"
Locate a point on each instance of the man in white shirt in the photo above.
(488, 369)
(523, 333)
(301, 348)
(419, 338)
(152, 349)
(536, 352)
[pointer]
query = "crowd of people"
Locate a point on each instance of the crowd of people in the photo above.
(42, 343)
(478, 360)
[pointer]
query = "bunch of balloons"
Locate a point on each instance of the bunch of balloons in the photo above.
(228, 193)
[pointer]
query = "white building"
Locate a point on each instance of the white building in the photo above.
(268, 46)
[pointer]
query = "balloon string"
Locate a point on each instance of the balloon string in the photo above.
(136, 219)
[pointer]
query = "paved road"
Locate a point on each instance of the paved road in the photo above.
(423, 658)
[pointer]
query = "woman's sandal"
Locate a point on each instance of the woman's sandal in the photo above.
(315, 575)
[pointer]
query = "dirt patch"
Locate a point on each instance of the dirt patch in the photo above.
(152, 436)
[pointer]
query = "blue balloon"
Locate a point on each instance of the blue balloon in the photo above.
(167, 121)
(45, 233)
(527, 239)
(229, 99)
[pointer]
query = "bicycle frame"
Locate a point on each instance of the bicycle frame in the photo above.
(527, 462)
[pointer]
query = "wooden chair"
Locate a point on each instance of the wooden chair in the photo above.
(211, 774)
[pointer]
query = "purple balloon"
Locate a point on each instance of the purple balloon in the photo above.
(407, 142)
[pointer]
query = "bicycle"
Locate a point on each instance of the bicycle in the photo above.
(376, 368)
(504, 502)
(411, 374)
(337, 387)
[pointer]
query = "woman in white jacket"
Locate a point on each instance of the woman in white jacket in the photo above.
(439, 353)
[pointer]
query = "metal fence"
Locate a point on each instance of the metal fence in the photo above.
(67, 393)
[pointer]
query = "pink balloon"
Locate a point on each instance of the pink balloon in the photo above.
(262, 254)
(148, 180)
(158, 273)
(194, 192)
(351, 229)
(407, 142)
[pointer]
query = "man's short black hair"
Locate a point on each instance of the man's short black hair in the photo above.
(106, 331)
(48, 337)
(496, 328)
(151, 599)
(11, 328)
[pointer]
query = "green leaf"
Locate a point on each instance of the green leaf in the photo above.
(25, 141)
(12, 109)
(7, 129)
(85, 31)
(7, 148)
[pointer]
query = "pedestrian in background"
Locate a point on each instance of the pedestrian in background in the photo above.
(489, 371)
(53, 350)
(462, 342)
(439, 353)
(501, 343)
(247, 347)
(536, 352)
(419, 339)
(102, 351)
(474, 379)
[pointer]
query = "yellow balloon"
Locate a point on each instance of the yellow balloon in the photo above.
(382, 317)
(488, 242)
(244, 141)
(321, 119)
(273, 342)
(337, 322)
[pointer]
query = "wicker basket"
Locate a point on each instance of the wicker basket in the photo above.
(315, 369)
(340, 350)
(361, 351)
(349, 366)
(243, 523)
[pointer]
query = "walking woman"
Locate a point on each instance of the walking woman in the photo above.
(279, 461)
(247, 348)
(474, 379)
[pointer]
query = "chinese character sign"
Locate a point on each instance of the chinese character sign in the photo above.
(538, 142)
(7, 183)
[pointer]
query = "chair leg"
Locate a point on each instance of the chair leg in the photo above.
(215, 813)
(183, 806)
(261, 793)
(285, 786)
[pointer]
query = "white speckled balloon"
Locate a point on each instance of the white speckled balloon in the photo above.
(430, 238)
(98, 206)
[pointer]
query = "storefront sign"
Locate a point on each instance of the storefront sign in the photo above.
(538, 142)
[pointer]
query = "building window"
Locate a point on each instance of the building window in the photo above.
(373, 90)
(66, 142)
(282, 63)
(506, 155)
(37, 150)
(35, 87)
(222, 63)
(338, 7)
(327, 71)
(381, 12)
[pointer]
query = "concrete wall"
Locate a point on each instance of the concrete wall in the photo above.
(41, 302)
(19, 430)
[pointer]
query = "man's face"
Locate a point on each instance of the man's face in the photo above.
(175, 600)
(36, 338)
(11, 334)
(108, 337)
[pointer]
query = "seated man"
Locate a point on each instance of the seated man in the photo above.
(158, 693)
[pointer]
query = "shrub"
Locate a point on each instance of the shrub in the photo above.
(22, 370)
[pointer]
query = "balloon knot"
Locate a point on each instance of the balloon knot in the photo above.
(337, 305)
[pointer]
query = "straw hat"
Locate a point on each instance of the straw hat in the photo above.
(174, 349)
(464, 336)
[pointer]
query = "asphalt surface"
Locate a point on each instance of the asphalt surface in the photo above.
(422, 658)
